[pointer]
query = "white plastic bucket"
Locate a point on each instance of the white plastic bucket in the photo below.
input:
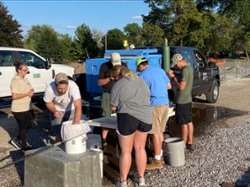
(94, 141)
(76, 145)
(101, 159)
(174, 148)
(74, 136)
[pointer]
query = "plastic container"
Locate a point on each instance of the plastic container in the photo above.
(94, 141)
(76, 145)
(101, 159)
(74, 136)
(174, 148)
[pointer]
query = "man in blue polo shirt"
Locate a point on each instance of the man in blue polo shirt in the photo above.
(158, 83)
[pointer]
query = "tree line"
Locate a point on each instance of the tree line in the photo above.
(218, 28)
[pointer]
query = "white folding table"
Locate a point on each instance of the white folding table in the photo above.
(111, 123)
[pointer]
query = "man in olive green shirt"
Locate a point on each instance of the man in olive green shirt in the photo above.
(184, 99)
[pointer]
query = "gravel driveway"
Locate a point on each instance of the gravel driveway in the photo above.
(220, 150)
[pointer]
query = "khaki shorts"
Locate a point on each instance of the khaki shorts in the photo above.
(160, 117)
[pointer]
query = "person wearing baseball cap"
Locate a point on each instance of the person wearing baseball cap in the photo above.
(183, 111)
(63, 99)
(158, 83)
(105, 80)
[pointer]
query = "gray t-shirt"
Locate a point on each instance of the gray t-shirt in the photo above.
(132, 97)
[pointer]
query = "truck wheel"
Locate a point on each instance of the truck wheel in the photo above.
(213, 95)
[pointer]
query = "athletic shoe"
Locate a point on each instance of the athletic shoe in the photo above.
(16, 143)
(26, 148)
(141, 181)
(190, 146)
(121, 184)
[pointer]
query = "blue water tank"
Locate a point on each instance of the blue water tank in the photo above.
(127, 56)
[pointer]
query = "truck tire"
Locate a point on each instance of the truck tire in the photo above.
(213, 95)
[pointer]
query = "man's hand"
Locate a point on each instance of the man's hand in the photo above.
(57, 114)
(171, 74)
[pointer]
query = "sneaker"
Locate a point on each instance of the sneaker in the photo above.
(156, 164)
(190, 146)
(141, 181)
(16, 143)
(121, 184)
(26, 149)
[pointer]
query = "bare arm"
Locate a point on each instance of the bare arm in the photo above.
(78, 111)
(51, 107)
(102, 82)
(19, 96)
(169, 86)
(181, 85)
(113, 108)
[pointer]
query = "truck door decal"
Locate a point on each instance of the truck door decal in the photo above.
(36, 75)
(204, 76)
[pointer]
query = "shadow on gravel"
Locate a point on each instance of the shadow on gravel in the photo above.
(14, 156)
(208, 116)
(244, 181)
(38, 135)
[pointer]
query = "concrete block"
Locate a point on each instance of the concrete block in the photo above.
(54, 168)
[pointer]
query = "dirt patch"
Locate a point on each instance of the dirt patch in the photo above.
(79, 67)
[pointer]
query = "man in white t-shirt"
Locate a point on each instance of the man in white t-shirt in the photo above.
(63, 99)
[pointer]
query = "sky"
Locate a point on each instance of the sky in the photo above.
(66, 15)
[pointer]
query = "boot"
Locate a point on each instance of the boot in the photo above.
(156, 164)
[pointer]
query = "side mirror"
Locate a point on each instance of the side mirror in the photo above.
(47, 63)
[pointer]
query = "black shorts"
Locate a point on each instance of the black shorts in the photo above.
(183, 113)
(127, 125)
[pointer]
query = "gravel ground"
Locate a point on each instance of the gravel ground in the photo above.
(220, 149)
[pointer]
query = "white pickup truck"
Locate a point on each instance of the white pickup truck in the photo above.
(41, 71)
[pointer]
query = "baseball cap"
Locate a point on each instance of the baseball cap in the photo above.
(61, 77)
(140, 60)
(175, 59)
(115, 59)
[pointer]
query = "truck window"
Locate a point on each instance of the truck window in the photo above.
(6, 58)
(31, 60)
(200, 59)
(186, 55)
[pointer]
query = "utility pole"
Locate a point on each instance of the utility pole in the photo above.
(106, 42)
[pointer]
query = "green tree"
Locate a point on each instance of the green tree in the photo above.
(181, 21)
(239, 12)
(84, 43)
(133, 33)
(44, 40)
(115, 38)
(152, 35)
(65, 43)
(221, 31)
(10, 32)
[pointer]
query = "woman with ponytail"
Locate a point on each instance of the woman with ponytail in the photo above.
(21, 107)
(130, 97)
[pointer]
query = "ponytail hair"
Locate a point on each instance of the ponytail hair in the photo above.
(19, 65)
(120, 70)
